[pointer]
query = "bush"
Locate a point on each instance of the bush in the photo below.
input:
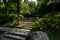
(4, 18)
(49, 24)
(21, 16)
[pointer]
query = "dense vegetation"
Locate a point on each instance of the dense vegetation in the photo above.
(49, 20)
(47, 13)
(49, 24)
(9, 9)
(5, 18)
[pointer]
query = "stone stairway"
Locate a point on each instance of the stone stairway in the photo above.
(28, 26)
(16, 33)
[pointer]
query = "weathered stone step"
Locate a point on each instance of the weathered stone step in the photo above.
(23, 34)
(14, 37)
(29, 25)
(13, 29)
(7, 39)
(1, 31)
(19, 30)
(29, 22)
(26, 28)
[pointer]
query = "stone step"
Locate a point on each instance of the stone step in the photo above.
(3, 29)
(14, 37)
(26, 28)
(23, 34)
(1, 32)
(30, 22)
(13, 29)
(29, 25)
(6, 38)
(19, 30)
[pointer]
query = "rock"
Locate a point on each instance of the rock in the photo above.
(38, 35)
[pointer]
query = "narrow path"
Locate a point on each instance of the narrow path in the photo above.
(19, 33)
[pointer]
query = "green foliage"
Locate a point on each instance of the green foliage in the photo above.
(21, 16)
(4, 18)
(49, 24)
(29, 10)
(1, 5)
(42, 3)
(43, 7)
(24, 8)
(12, 7)
(32, 6)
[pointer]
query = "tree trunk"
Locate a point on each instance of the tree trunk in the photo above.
(18, 9)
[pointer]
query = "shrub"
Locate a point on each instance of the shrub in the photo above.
(21, 16)
(49, 24)
(4, 18)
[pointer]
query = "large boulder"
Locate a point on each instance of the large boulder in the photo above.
(38, 35)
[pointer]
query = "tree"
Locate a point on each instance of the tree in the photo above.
(41, 7)
(6, 6)
(12, 6)
(26, 1)
(18, 9)
(24, 8)
(1, 7)
(32, 7)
